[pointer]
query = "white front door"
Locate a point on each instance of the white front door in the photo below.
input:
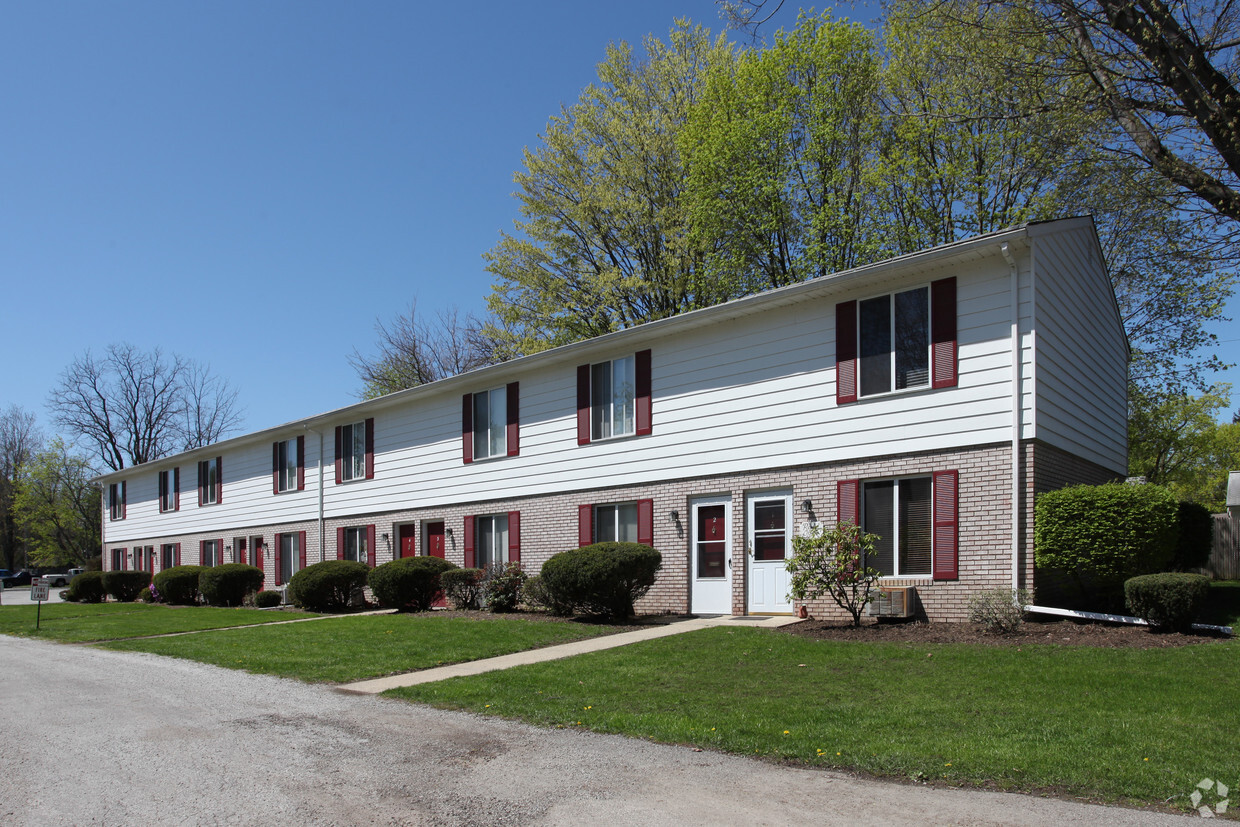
(711, 555)
(768, 543)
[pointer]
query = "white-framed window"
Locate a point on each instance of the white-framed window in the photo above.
(119, 556)
(212, 554)
(353, 451)
(491, 423)
(355, 547)
(615, 523)
(613, 394)
(209, 482)
(170, 489)
(290, 555)
(893, 341)
(900, 512)
(288, 465)
(491, 545)
(116, 501)
(167, 556)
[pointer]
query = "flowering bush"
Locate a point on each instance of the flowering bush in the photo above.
(502, 586)
(834, 562)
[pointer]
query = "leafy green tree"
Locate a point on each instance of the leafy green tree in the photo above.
(1174, 440)
(780, 150)
(833, 562)
(19, 441)
(604, 242)
(60, 507)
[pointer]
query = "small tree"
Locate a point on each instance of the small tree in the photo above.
(834, 562)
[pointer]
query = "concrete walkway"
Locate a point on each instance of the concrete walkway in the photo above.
(564, 650)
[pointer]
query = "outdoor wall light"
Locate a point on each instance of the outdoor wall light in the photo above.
(807, 506)
(448, 531)
(228, 549)
(674, 516)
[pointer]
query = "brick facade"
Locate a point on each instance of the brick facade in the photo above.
(549, 523)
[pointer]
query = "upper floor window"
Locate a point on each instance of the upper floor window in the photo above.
(210, 481)
(116, 500)
(489, 423)
(355, 451)
(894, 341)
(613, 398)
(170, 489)
(288, 462)
(898, 341)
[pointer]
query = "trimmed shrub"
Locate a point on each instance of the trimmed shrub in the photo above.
(87, 587)
(125, 586)
(227, 585)
(503, 585)
(536, 596)
(1196, 537)
(148, 596)
(410, 584)
(267, 599)
(601, 580)
(1169, 601)
(179, 585)
(462, 587)
(1101, 535)
(999, 611)
(327, 586)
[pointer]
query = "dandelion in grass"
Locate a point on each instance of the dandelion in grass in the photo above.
(786, 732)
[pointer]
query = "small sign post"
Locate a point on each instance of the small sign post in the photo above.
(38, 593)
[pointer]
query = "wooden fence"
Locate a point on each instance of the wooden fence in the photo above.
(1225, 556)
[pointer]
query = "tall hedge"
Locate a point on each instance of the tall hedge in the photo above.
(410, 584)
(178, 585)
(603, 580)
(1196, 537)
(228, 585)
(1101, 535)
(327, 586)
(125, 585)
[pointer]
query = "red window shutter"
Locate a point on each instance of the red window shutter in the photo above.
(256, 554)
(176, 554)
(275, 558)
(275, 468)
(241, 549)
(301, 463)
(202, 552)
(946, 522)
(645, 522)
(339, 468)
(219, 480)
(514, 419)
(176, 489)
(340, 543)
(124, 561)
(848, 501)
(514, 536)
(583, 404)
(641, 367)
(467, 428)
(370, 448)
(845, 352)
(585, 525)
(370, 546)
(943, 332)
(469, 541)
(301, 545)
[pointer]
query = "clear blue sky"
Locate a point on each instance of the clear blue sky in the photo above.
(250, 184)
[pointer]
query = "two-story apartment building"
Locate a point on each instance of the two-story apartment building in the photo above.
(928, 397)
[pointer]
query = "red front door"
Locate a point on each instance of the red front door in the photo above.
(434, 539)
(408, 540)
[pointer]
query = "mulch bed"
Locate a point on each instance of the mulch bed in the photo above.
(1057, 632)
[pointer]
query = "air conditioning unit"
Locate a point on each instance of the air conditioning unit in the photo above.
(896, 601)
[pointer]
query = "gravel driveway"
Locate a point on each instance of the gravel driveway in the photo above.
(112, 738)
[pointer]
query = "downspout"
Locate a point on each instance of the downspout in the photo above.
(1014, 282)
(319, 463)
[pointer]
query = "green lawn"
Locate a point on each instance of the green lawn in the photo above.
(353, 648)
(1114, 724)
(76, 622)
